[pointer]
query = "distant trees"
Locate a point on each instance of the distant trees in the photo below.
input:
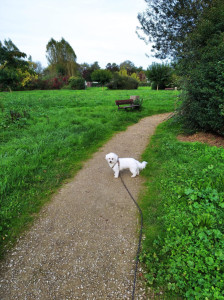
(102, 76)
(112, 67)
(76, 83)
(87, 74)
(61, 58)
(17, 72)
(120, 82)
(86, 70)
(123, 76)
(128, 66)
(159, 75)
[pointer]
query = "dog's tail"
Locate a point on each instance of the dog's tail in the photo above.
(142, 165)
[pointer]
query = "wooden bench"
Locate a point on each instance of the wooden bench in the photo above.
(126, 104)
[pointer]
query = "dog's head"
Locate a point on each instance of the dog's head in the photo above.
(111, 158)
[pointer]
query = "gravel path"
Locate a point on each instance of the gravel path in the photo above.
(84, 243)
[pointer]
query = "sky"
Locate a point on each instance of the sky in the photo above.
(97, 30)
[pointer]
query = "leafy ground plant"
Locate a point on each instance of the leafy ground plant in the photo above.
(46, 135)
(183, 251)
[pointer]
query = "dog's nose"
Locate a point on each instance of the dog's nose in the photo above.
(110, 161)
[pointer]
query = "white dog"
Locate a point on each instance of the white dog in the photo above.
(119, 164)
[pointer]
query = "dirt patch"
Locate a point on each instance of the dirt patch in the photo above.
(202, 137)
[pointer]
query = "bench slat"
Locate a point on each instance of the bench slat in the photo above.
(121, 103)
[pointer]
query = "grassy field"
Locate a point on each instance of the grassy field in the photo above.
(183, 207)
(46, 135)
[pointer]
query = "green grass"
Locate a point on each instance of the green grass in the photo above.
(183, 208)
(46, 135)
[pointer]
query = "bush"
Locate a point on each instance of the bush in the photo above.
(76, 83)
(102, 76)
(55, 83)
(203, 101)
(144, 84)
(9, 80)
(123, 83)
(159, 75)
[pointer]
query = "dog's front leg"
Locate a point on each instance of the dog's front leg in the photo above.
(116, 172)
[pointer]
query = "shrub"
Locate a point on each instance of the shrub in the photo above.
(123, 83)
(203, 67)
(55, 83)
(159, 75)
(9, 80)
(76, 83)
(203, 99)
(144, 84)
(102, 76)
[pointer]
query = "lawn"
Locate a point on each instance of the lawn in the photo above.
(46, 135)
(183, 208)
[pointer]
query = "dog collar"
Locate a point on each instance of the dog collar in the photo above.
(118, 162)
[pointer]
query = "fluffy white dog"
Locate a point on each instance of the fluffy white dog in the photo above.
(118, 164)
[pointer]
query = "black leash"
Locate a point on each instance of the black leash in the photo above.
(140, 238)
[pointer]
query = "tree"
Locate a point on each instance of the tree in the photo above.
(102, 76)
(38, 68)
(191, 32)
(76, 83)
(129, 66)
(135, 76)
(112, 67)
(123, 72)
(35, 66)
(14, 70)
(120, 82)
(142, 76)
(203, 68)
(159, 75)
(86, 70)
(166, 23)
(95, 66)
(10, 56)
(61, 58)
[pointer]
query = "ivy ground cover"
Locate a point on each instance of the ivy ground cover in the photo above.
(183, 249)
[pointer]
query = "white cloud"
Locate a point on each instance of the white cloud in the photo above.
(98, 30)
